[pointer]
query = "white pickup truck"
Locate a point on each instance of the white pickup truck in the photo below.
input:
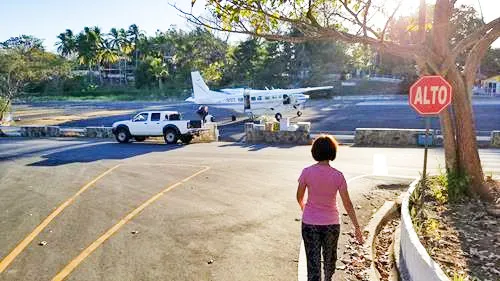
(168, 124)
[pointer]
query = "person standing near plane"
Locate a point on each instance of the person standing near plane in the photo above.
(320, 218)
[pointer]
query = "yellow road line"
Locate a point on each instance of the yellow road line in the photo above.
(85, 253)
(17, 250)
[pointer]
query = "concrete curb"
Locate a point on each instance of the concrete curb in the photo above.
(384, 214)
(414, 259)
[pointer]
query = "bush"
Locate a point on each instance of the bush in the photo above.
(457, 186)
(4, 107)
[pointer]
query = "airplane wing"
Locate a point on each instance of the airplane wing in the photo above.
(290, 91)
(233, 90)
(303, 90)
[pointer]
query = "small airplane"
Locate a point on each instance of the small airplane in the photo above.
(250, 101)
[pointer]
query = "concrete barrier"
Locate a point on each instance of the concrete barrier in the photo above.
(99, 132)
(209, 135)
(387, 137)
(73, 132)
(257, 133)
(415, 262)
(33, 131)
(495, 139)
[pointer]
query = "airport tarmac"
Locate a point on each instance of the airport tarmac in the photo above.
(338, 115)
(90, 209)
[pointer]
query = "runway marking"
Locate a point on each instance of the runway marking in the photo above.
(302, 264)
(380, 165)
(21, 246)
(92, 247)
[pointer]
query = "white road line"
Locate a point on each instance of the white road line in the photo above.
(380, 165)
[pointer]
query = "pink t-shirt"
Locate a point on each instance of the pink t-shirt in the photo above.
(323, 182)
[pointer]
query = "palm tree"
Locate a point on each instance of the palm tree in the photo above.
(135, 34)
(125, 48)
(108, 54)
(120, 42)
(88, 43)
(67, 44)
(159, 70)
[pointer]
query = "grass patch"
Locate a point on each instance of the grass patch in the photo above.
(108, 94)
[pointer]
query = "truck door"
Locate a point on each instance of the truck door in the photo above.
(140, 124)
(155, 127)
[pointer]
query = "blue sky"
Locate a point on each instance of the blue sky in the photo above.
(45, 19)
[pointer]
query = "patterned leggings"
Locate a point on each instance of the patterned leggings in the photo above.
(317, 238)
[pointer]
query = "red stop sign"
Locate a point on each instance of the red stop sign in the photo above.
(430, 95)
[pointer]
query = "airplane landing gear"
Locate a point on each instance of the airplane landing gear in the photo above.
(278, 116)
(299, 113)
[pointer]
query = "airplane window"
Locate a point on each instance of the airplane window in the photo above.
(253, 98)
(141, 117)
(268, 97)
(259, 98)
(155, 116)
(240, 99)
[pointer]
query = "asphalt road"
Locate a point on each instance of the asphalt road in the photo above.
(227, 211)
(339, 114)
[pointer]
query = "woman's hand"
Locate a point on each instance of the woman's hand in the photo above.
(359, 235)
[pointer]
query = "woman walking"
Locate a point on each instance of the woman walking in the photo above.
(320, 218)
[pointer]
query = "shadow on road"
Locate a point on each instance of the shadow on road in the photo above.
(102, 151)
(257, 147)
(35, 151)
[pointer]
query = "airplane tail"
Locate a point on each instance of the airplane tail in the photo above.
(200, 89)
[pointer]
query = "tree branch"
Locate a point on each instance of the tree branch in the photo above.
(471, 39)
(477, 53)
(356, 18)
(365, 14)
(382, 35)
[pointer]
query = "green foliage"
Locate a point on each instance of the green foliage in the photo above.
(22, 69)
(430, 229)
(490, 64)
(23, 43)
(458, 186)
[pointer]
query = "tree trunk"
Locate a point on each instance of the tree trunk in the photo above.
(440, 33)
(5, 107)
(469, 162)
(449, 141)
(460, 142)
(160, 84)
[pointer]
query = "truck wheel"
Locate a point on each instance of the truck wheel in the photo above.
(122, 135)
(299, 113)
(170, 136)
(140, 139)
(186, 139)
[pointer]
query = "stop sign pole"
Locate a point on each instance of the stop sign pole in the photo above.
(429, 96)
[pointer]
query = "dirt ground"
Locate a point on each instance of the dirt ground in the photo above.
(462, 237)
(353, 261)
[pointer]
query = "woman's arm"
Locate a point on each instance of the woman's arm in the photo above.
(301, 190)
(346, 200)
